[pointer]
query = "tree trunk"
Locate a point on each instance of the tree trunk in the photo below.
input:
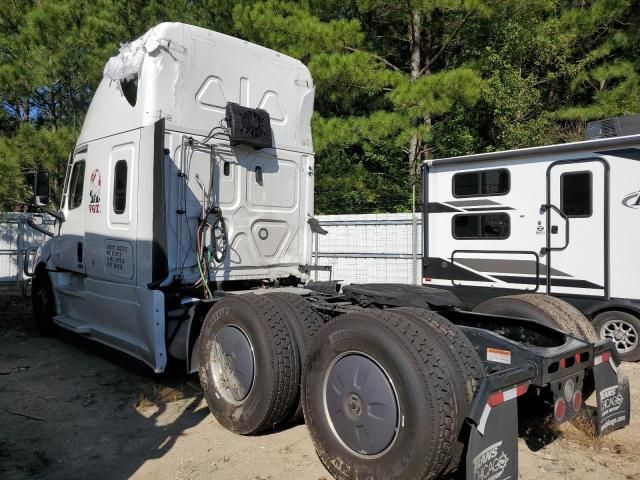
(425, 154)
(415, 40)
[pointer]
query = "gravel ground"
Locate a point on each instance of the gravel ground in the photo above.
(72, 409)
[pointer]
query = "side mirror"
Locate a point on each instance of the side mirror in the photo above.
(40, 188)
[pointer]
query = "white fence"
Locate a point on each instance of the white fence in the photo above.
(378, 248)
(15, 238)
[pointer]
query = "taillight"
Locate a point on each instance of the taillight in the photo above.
(560, 409)
(576, 402)
(568, 390)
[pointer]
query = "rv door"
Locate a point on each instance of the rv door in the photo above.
(577, 227)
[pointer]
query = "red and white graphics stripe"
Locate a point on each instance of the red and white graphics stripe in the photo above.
(500, 397)
(604, 358)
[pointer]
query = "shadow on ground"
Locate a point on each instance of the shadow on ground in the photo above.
(70, 408)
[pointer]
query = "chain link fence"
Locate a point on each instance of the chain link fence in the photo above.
(16, 237)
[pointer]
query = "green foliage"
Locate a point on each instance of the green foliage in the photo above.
(290, 28)
(32, 148)
(396, 82)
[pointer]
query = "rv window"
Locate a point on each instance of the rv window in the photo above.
(576, 194)
(120, 187)
(76, 184)
(481, 183)
(481, 226)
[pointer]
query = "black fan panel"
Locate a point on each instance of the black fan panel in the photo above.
(249, 126)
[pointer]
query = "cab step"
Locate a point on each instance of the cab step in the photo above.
(72, 324)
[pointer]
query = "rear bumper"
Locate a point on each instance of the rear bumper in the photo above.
(493, 438)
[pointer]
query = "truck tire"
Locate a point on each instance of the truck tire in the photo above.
(468, 368)
(43, 303)
(624, 329)
(304, 322)
(378, 398)
(545, 309)
(550, 311)
(248, 364)
(572, 319)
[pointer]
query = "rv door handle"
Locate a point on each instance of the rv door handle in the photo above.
(554, 229)
(79, 252)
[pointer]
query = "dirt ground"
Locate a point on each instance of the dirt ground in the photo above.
(72, 409)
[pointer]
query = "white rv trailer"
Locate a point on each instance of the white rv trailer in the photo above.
(559, 219)
(184, 235)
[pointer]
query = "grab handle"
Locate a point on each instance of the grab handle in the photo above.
(549, 248)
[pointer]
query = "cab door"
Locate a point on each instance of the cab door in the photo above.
(577, 227)
(68, 245)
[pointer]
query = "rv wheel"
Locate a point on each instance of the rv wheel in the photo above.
(624, 329)
(43, 303)
(248, 364)
(379, 399)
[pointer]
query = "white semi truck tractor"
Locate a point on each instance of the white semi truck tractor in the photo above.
(184, 235)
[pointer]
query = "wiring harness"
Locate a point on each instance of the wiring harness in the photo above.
(210, 227)
(211, 231)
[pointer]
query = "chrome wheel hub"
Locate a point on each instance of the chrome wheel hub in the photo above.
(623, 334)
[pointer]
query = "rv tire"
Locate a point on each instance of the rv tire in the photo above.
(248, 364)
(624, 329)
(384, 359)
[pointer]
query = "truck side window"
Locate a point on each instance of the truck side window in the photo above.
(120, 187)
(130, 90)
(575, 192)
(76, 185)
(481, 183)
(481, 226)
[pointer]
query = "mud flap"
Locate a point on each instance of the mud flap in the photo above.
(492, 452)
(614, 403)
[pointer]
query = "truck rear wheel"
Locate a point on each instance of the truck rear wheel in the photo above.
(304, 322)
(467, 366)
(248, 364)
(623, 329)
(378, 398)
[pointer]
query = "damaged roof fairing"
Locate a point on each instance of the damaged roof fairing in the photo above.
(187, 74)
(148, 60)
(127, 64)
